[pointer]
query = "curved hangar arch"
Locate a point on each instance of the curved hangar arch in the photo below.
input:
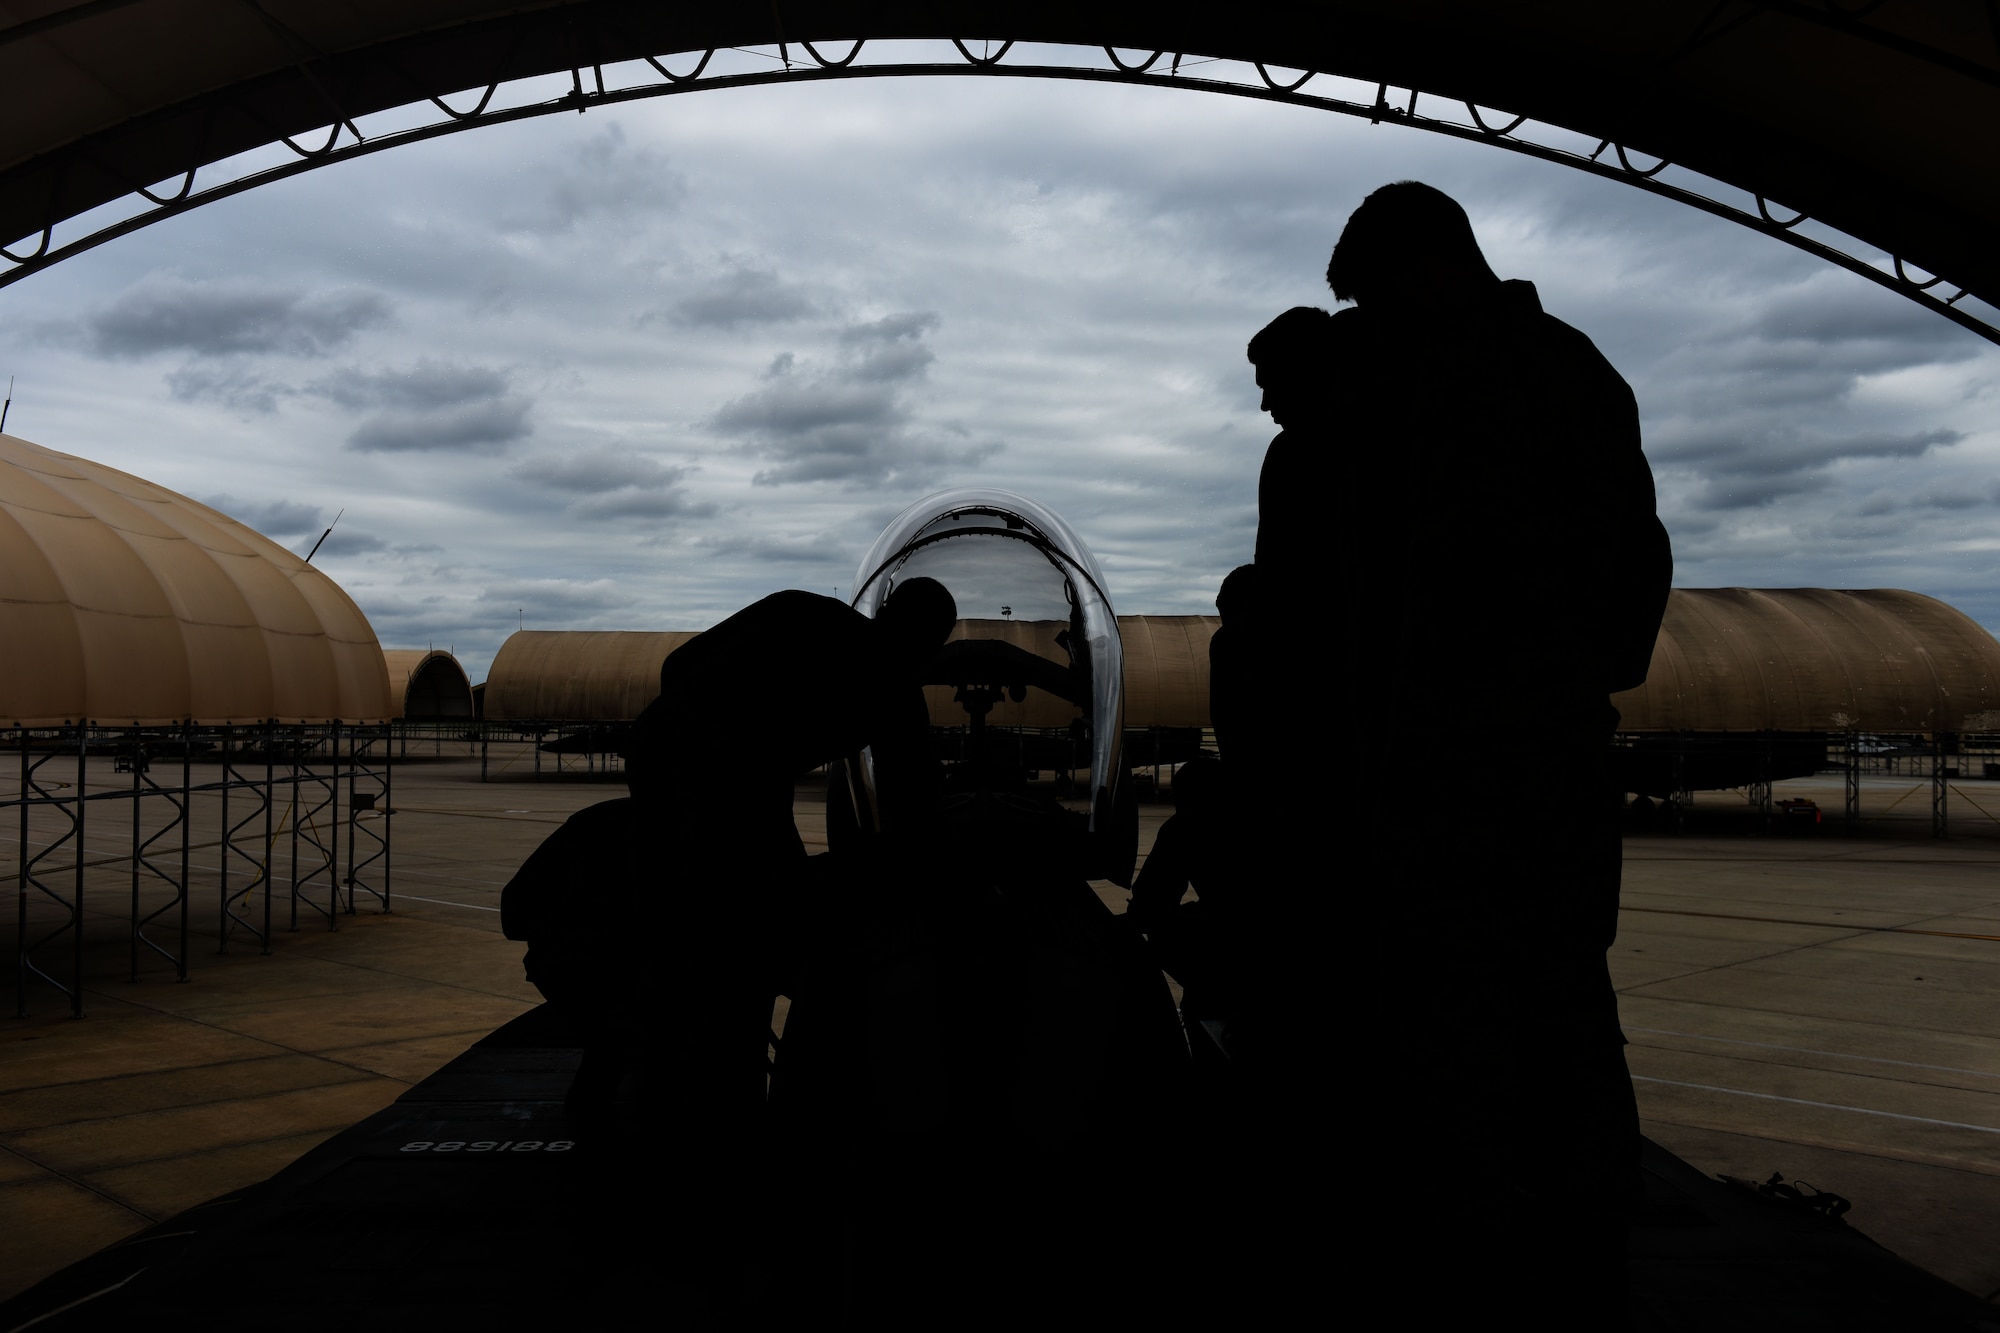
(128, 605)
(427, 685)
(1874, 120)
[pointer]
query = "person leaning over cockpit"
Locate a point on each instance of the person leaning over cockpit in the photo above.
(661, 926)
(745, 710)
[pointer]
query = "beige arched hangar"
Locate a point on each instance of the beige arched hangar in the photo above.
(609, 676)
(1752, 685)
(577, 675)
(125, 604)
(1816, 660)
(1727, 659)
(427, 685)
(580, 680)
(1744, 682)
(126, 607)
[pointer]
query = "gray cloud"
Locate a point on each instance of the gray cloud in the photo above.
(670, 503)
(616, 483)
(606, 176)
(1711, 473)
(345, 541)
(425, 386)
(1778, 395)
(830, 406)
(1889, 502)
(270, 517)
(472, 426)
(594, 470)
(847, 422)
(431, 405)
(1789, 451)
(554, 602)
(1751, 491)
(743, 296)
(890, 349)
(812, 548)
(232, 385)
(164, 313)
(1829, 310)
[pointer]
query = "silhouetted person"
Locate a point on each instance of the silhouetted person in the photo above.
(1268, 685)
(589, 905)
(1235, 669)
(1508, 577)
(1256, 693)
(663, 926)
(1199, 848)
(1293, 356)
(747, 709)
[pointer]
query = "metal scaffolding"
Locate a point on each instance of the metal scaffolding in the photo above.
(1935, 764)
(241, 798)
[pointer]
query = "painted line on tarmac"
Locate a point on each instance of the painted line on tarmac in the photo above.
(1825, 1106)
(482, 814)
(1808, 1050)
(443, 902)
(1853, 926)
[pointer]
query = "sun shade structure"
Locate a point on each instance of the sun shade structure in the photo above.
(605, 676)
(1871, 119)
(433, 685)
(1166, 669)
(577, 675)
(124, 604)
(1816, 660)
(1728, 659)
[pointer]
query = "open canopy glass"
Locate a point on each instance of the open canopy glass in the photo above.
(1035, 628)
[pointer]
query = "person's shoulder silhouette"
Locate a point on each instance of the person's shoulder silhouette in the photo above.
(1293, 360)
(1523, 442)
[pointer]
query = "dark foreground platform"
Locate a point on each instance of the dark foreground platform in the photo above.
(474, 1202)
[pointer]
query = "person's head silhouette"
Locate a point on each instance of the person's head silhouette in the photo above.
(1290, 355)
(917, 617)
(1238, 601)
(1409, 246)
(1198, 788)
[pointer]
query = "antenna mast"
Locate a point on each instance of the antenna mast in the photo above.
(323, 536)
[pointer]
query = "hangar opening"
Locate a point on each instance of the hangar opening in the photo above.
(436, 699)
(1797, 145)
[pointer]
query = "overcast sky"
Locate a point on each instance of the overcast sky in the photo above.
(634, 369)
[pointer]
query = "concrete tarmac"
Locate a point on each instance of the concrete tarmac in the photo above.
(1828, 1007)
(1816, 1005)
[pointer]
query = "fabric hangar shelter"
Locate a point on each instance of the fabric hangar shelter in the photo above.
(167, 668)
(574, 692)
(1752, 685)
